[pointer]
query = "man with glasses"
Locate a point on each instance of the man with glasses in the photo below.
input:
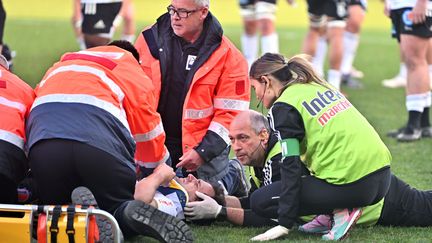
(201, 83)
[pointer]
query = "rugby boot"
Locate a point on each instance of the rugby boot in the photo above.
(84, 197)
(344, 220)
(395, 82)
(426, 132)
(409, 134)
(355, 73)
(321, 224)
(147, 220)
(350, 82)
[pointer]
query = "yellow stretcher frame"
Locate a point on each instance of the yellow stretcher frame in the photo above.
(19, 230)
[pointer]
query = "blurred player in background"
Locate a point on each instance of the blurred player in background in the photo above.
(412, 20)
(95, 21)
(356, 14)
(327, 17)
(259, 19)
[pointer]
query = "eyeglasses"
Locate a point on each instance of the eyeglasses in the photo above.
(181, 13)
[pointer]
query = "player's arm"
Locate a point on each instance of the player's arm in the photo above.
(145, 189)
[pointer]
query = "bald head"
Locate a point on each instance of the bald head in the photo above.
(251, 119)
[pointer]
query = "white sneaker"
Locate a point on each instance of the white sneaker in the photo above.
(355, 73)
(395, 82)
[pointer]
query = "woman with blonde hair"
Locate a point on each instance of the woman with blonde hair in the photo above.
(348, 166)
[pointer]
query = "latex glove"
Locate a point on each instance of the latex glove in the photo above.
(271, 234)
(208, 208)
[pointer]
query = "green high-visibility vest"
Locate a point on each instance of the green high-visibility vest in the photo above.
(340, 146)
(250, 169)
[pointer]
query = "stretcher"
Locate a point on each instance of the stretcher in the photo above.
(43, 224)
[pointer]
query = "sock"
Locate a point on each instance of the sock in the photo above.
(414, 119)
(402, 70)
(425, 122)
(415, 104)
(334, 78)
(270, 43)
(81, 43)
(350, 43)
(130, 38)
(117, 21)
(320, 54)
(249, 47)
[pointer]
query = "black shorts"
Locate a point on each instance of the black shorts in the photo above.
(403, 25)
(393, 32)
(334, 9)
(244, 3)
(99, 18)
(362, 3)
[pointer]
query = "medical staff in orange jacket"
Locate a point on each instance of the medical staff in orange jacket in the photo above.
(201, 84)
(92, 114)
(16, 98)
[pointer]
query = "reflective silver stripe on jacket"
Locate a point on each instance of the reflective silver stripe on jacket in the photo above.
(144, 137)
(12, 138)
(220, 130)
(13, 104)
(231, 104)
(84, 99)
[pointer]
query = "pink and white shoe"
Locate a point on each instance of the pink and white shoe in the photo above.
(344, 220)
(321, 224)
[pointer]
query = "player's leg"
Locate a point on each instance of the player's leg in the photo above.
(127, 12)
(249, 38)
(76, 23)
(351, 37)
(265, 13)
(336, 11)
(414, 45)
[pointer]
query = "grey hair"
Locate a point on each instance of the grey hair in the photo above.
(202, 3)
(258, 122)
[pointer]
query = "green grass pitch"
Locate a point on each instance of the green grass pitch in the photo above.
(40, 31)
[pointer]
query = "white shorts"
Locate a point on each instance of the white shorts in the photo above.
(259, 10)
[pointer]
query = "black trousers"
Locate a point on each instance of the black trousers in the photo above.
(319, 197)
(406, 206)
(59, 166)
(13, 166)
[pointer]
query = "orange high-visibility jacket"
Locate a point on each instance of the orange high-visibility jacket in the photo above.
(110, 81)
(219, 89)
(16, 98)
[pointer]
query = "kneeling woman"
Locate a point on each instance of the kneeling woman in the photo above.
(318, 128)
